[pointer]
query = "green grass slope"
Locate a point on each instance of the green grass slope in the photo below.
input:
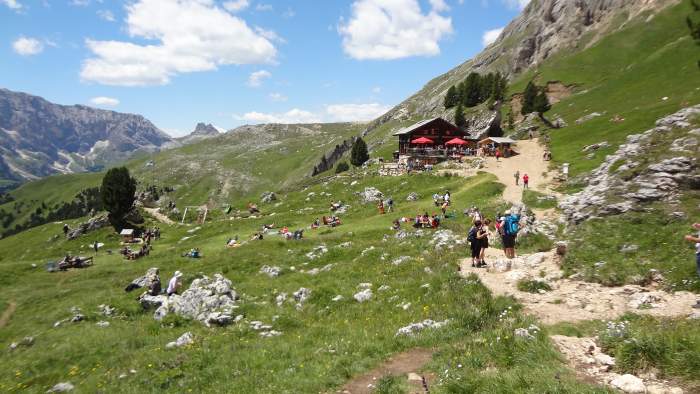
(322, 345)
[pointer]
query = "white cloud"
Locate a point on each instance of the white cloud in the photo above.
(12, 4)
(191, 35)
(106, 15)
(331, 113)
(104, 101)
(278, 97)
(236, 5)
(439, 5)
(377, 89)
(27, 46)
(490, 36)
(256, 78)
(270, 35)
(290, 117)
(517, 4)
(80, 3)
(355, 112)
(393, 29)
(263, 7)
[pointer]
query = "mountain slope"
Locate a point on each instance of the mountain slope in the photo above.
(39, 138)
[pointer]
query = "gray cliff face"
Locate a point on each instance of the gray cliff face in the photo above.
(545, 27)
(39, 138)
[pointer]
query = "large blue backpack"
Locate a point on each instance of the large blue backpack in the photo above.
(512, 225)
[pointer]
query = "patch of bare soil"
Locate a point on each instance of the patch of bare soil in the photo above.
(7, 314)
(406, 364)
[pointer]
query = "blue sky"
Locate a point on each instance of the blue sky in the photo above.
(234, 62)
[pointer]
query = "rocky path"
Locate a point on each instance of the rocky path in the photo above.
(159, 216)
(402, 364)
(573, 300)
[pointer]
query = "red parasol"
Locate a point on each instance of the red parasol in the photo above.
(456, 141)
(422, 141)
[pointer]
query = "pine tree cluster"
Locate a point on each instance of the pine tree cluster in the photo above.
(534, 99)
(476, 89)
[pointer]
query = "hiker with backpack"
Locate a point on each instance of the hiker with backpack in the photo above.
(526, 181)
(517, 178)
(483, 236)
(510, 225)
(475, 244)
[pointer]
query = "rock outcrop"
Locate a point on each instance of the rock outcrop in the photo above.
(626, 181)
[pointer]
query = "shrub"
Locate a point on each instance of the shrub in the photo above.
(342, 167)
(533, 285)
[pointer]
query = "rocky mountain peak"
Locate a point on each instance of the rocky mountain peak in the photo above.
(205, 130)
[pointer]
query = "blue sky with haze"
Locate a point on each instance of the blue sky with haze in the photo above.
(234, 62)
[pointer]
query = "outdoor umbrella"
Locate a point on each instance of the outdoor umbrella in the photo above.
(456, 141)
(422, 141)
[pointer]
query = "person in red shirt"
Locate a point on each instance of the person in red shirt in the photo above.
(498, 154)
(526, 181)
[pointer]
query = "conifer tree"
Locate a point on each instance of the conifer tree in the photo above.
(118, 195)
(452, 97)
(529, 98)
(460, 120)
(359, 154)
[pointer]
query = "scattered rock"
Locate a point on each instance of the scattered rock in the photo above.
(371, 194)
(26, 342)
(268, 197)
(446, 239)
(413, 196)
(337, 298)
(414, 328)
(302, 295)
(629, 384)
(595, 147)
(102, 324)
(272, 272)
(184, 340)
(588, 117)
(93, 224)
(210, 301)
(62, 387)
(106, 310)
(364, 295)
(317, 252)
(629, 248)
(401, 260)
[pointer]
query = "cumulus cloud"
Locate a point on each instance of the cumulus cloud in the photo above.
(190, 35)
(256, 78)
(490, 36)
(394, 29)
(290, 117)
(331, 113)
(27, 46)
(106, 15)
(104, 101)
(355, 112)
(277, 97)
(12, 4)
(236, 5)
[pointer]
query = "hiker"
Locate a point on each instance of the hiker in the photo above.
(511, 226)
(174, 284)
(696, 240)
(252, 208)
(446, 197)
(390, 204)
(498, 154)
(380, 207)
(483, 236)
(517, 178)
(95, 246)
(66, 229)
(475, 243)
(526, 181)
(436, 198)
(154, 287)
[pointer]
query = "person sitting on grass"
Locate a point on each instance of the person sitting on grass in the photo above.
(396, 225)
(233, 242)
(436, 199)
(257, 237)
(380, 207)
(299, 234)
(252, 208)
(154, 287)
(316, 224)
(435, 221)
(335, 205)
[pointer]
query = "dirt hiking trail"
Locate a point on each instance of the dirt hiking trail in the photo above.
(402, 364)
(7, 314)
(159, 216)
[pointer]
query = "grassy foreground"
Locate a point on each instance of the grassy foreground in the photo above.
(322, 345)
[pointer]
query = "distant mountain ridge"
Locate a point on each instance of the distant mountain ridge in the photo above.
(40, 138)
(201, 132)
